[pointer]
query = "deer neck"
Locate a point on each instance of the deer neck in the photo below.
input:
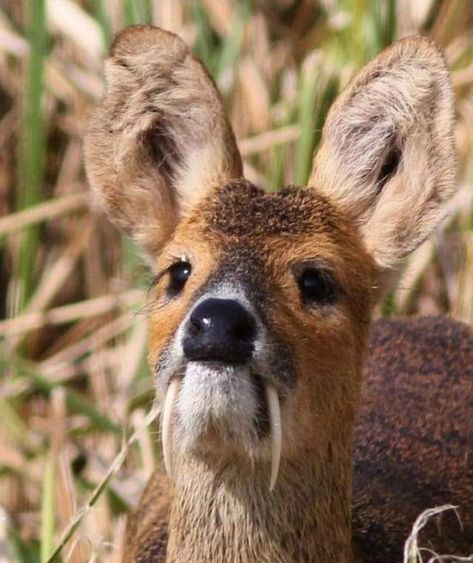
(224, 511)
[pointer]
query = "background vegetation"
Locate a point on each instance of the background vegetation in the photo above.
(73, 375)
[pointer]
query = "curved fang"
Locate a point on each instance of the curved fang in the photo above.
(276, 432)
(166, 425)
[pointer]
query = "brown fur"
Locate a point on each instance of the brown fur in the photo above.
(423, 393)
(147, 530)
(161, 154)
(414, 438)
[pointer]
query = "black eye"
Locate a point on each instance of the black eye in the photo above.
(316, 286)
(178, 275)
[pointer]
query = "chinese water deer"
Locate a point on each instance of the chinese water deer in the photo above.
(260, 315)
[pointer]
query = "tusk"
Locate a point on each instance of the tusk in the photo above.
(166, 426)
(276, 432)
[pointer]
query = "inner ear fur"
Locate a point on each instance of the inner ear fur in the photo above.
(160, 139)
(387, 155)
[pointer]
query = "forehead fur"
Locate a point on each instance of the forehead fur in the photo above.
(240, 208)
(254, 236)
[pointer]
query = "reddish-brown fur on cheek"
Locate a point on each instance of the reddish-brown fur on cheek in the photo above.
(328, 380)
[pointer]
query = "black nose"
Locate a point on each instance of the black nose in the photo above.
(219, 329)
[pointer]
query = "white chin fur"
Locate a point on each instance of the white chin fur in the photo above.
(218, 400)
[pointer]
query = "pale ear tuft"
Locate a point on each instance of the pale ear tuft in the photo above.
(161, 139)
(387, 155)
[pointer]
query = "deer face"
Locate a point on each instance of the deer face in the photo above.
(262, 301)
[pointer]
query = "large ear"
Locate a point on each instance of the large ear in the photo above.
(160, 139)
(387, 155)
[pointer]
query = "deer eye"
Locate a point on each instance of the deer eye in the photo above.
(316, 286)
(179, 273)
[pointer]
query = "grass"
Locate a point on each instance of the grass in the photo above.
(73, 377)
(31, 147)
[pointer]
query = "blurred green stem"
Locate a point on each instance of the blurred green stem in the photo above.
(101, 16)
(32, 145)
(136, 11)
(47, 510)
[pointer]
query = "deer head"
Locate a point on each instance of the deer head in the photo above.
(262, 301)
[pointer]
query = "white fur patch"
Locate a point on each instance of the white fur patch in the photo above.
(216, 399)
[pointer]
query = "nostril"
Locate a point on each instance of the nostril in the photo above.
(195, 327)
(245, 330)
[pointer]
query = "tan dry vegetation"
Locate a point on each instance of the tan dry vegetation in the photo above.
(73, 377)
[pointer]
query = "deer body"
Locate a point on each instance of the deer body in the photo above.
(413, 438)
(262, 303)
(394, 480)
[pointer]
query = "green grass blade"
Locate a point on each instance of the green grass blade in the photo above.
(47, 510)
(101, 487)
(136, 11)
(279, 153)
(12, 422)
(21, 551)
(74, 400)
(384, 22)
(205, 40)
(276, 172)
(327, 93)
(232, 44)
(100, 12)
(32, 147)
(307, 98)
(317, 92)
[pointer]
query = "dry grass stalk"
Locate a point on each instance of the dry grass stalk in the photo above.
(85, 34)
(414, 554)
(69, 313)
(43, 212)
(88, 345)
(265, 141)
(114, 467)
